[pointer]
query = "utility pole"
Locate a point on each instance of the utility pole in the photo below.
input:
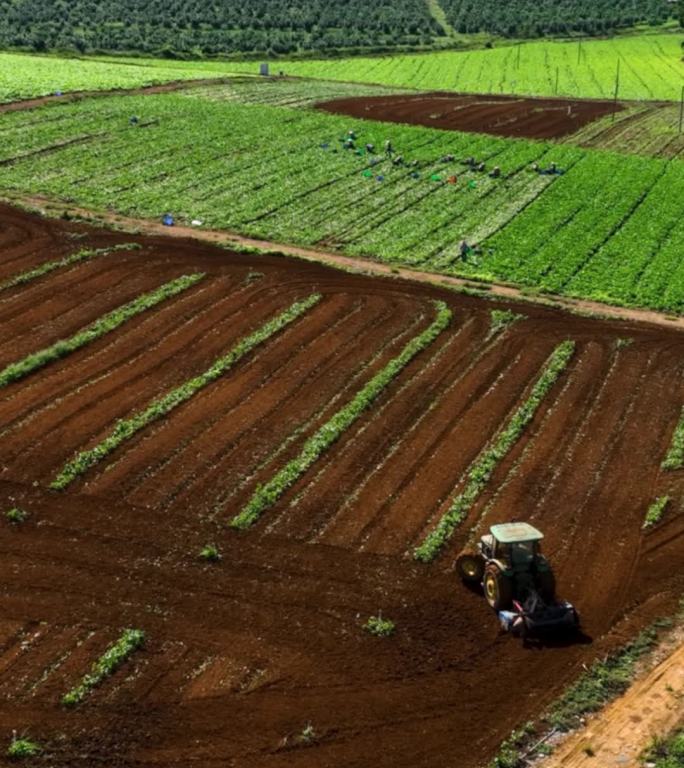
(519, 51)
(617, 89)
(681, 112)
(579, 51)
(557, 79)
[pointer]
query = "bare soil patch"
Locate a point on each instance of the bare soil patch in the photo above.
(242, 655)
(497, 115)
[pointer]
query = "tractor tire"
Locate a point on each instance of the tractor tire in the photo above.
(546, 583)
(498, 588)
(470, 566)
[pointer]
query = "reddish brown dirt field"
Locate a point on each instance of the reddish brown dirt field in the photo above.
(497, 115)
(243, 654)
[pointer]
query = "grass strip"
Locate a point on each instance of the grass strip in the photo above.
(604, 681)
(127, 428)
(106, 665)
(481, 471)
(267, 495)
(103, 325)
(675, 455)
(656, 511)
(67, 261)
(666, 751)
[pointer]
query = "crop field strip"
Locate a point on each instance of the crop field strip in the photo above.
(316, 194)
(148, 375)
(651, 69)
(320, 362)
(253, 383)
(25, 77)
(129, 348)
(103, 325)
(81, 298)
(651, 130)
(318, 444)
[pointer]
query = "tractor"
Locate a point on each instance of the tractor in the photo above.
(517, 580)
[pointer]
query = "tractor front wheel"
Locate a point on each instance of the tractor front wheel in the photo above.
(498, 588)
(470, 566)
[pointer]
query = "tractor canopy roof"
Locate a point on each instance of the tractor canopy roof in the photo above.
(512, 533)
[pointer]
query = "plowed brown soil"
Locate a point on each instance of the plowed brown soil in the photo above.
(498, 115)
(242, 655)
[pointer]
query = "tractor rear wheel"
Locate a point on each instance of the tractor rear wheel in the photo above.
(470, 566)
(498, 588)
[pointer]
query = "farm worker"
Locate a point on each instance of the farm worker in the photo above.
(481, 167)
(398, 160)
(351, 135)
(452, 180)
(553, 168)
(370, 148)
(448, 159)
(463, 250)
(536, 168)
(470, 162)
(349, 143)
(388, 147)
(134, 120)
(496, 173)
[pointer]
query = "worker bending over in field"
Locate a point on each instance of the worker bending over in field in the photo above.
(388, 148)
(495, 173)
(465, 250)
(552, 170)
(370, 148)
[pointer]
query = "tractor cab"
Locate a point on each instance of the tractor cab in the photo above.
(515, 545)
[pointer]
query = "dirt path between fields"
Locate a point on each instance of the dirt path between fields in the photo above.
(349, 263)
(653, 706)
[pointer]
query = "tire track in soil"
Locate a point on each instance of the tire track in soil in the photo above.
(17, 684)
(239, 437)
(152, 453)
(614, 508)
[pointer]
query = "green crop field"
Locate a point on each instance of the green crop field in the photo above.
(610, 228)
(651, 68)
(649, 129)
(24, 77)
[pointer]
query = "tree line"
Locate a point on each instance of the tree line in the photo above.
(280, 27)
